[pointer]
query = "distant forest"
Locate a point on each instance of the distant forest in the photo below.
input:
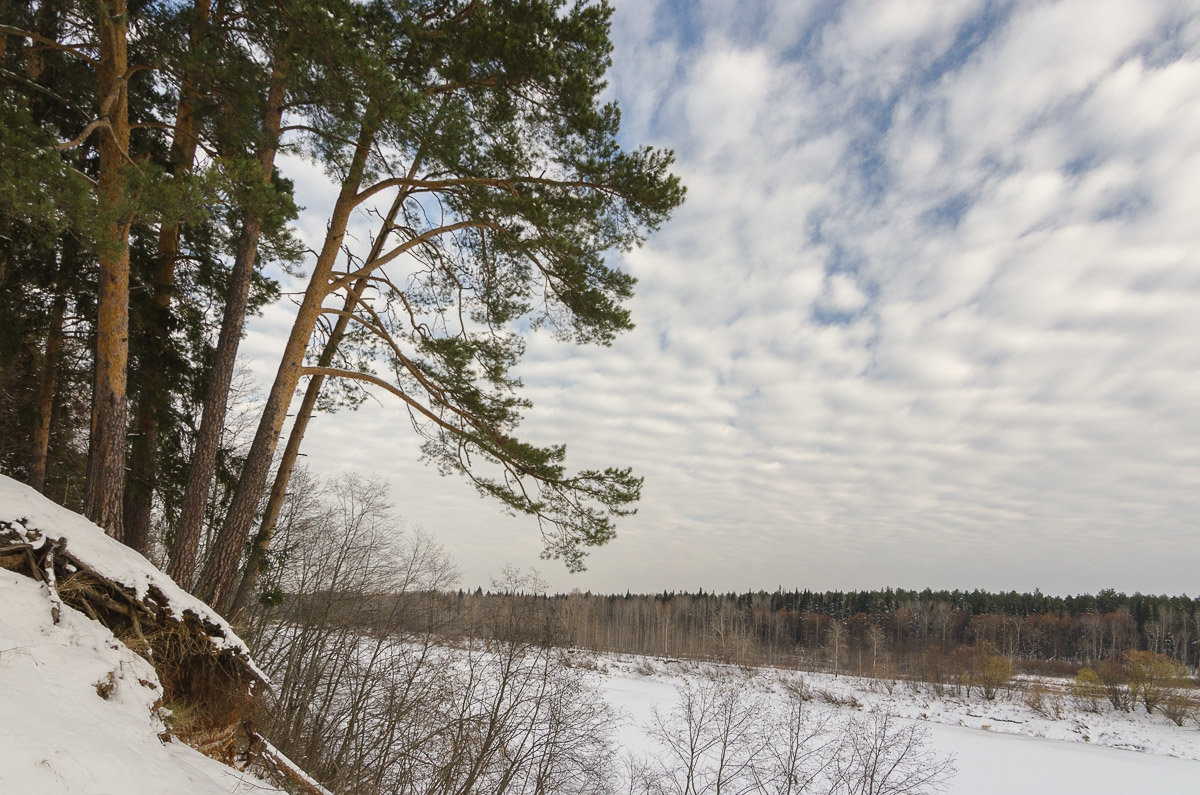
(887, 632)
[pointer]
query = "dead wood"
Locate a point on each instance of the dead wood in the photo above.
(209, 690)
(282, 769)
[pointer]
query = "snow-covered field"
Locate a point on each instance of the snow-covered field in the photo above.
(58, 735)
(1000, 747)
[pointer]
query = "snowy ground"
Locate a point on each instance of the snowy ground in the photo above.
(78, 708)
(1001, 747)
(45, 521)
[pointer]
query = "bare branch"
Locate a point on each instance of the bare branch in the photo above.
(505, 183)
(378, 262)
(336, 372)
(47, 42)
(78, 140)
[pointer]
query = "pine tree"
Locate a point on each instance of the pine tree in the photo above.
(484, 121)
(479, 122)
(148, 222)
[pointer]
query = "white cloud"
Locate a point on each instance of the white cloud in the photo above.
(723, 101)
(843, 295)
(927, 317)
(877, 42)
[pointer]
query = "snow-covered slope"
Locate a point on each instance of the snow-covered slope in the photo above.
(22, 505)
(78, 708)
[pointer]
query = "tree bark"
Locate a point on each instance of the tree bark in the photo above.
(106, 452)
(216, 399)
(291, 451)
(47, 380)
(216, 579)
(142, 481)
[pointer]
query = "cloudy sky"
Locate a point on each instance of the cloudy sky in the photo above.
(930, 315)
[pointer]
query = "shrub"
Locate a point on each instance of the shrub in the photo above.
(1152, 676)
(932, 667)
(1114, 679)
(1044, 701)
(884, 678)
(1059, 669)
(983, 667)
(1178, 705)
(994, 674)
(963, 663)
(1087, 690)
(797, 688)
(837, 699)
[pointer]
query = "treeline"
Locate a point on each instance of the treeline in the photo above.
(884, 631)
(891, 632)
(143, 214)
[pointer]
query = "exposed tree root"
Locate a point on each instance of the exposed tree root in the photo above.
(210, 691)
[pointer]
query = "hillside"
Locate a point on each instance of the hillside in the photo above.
(84, 712)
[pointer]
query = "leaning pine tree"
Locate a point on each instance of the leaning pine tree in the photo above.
(482, 120)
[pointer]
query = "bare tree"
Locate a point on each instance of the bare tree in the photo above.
(724, 736)
(377, 691)
(709, 739)
(795, 752)
(881, 755)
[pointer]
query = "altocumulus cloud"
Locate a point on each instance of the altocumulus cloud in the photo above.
(927, 317)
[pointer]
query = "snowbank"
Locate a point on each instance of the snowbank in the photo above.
(22, 506)
(79, 710)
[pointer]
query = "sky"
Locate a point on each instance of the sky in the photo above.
(927, 318)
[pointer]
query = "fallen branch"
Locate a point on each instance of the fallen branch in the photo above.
(281, 765)
(51, 579)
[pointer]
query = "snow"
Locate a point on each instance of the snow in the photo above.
(59, 734)
(1017, 753)
(22, 505)
(80, 711)
(1004, 764)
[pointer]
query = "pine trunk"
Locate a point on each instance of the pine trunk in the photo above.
(143, 458)
(216, 400)
(216, 579)
(47, 381)
(287, 464)
(106, 453)
(291, 451)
